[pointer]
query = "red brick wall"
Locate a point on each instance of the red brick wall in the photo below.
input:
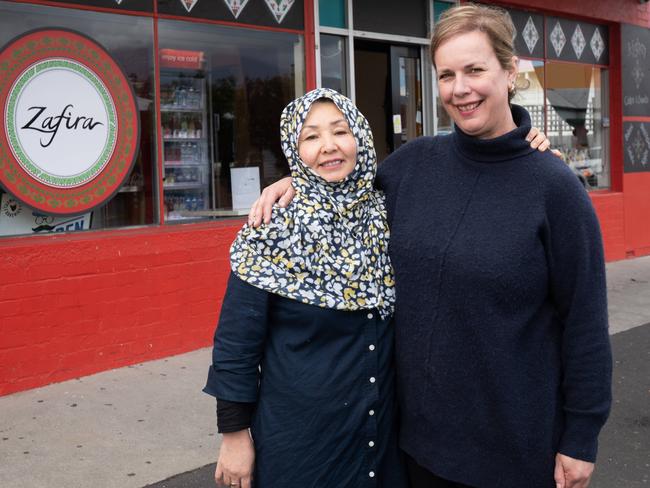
(78, 304)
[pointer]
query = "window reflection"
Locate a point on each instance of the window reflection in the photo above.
(332, 62)
(575, 116)
(530, 90)
(228, 142)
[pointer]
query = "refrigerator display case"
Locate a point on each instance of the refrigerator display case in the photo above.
(184, 119)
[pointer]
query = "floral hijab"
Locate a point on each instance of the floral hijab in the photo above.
(329, 247)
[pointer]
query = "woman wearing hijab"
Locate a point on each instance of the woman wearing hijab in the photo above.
(502, 347)
(304, 346)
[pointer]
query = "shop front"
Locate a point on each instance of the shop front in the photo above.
(136, 134)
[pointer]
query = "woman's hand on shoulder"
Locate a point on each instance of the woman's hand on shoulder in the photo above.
(236, 460)
(281, 192)
(539, 141)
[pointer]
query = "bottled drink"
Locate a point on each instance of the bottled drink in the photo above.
(183, 133)
(182, 97)
(176, 98)
(191, 98)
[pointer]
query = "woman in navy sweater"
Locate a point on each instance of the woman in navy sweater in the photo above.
(503, 354)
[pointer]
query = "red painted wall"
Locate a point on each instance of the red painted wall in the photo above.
(610, 208)
(81, 303)
(637, 213)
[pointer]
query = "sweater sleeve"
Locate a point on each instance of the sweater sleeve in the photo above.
(238, 343)
(578, 289)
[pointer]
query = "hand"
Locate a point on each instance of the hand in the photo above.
(538, 140)
(281, 192)
(572, 473)
(236, 460)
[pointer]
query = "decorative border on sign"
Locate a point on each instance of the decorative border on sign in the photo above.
(16, 147)
(57, 43)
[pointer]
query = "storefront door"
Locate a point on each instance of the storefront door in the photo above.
(406, 91)
(389, 92)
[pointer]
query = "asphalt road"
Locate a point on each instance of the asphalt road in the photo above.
(624, 457)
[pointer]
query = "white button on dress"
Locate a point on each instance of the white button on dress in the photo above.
(371, 474)
(371, 444)
(370, 315)
(371, 412)
(371, 347)
(372, 379)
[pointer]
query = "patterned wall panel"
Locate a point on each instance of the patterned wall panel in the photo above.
(271, 13)
(636, 146)
(635, 47)
(569, 40)
(529, 33)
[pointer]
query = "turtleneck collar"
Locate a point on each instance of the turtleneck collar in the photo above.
(508, 146)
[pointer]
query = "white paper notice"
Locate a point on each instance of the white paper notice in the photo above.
(245, 186)
(397, 124)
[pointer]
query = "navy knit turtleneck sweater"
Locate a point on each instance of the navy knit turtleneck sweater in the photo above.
(503, 354)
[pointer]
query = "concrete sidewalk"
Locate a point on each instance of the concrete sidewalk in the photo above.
(134, 426)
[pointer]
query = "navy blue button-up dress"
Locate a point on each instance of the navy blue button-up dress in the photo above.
(323, 383)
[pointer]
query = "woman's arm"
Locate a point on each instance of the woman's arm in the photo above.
(578, 288)
(282, 193)
(234, 375)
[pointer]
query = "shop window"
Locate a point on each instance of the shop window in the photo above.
(530, 90)
(577, 115)
(222, 92)
(333, 61)
(331, 13)
(565, 88)
(577, 120)
(134, 203)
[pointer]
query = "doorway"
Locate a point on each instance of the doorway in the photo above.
(388, 88)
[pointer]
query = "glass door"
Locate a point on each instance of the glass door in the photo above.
(388, 91)
(406, 91)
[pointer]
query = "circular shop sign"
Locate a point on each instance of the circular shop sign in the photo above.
(70, 128)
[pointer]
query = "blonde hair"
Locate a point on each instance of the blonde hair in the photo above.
(495, 22)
